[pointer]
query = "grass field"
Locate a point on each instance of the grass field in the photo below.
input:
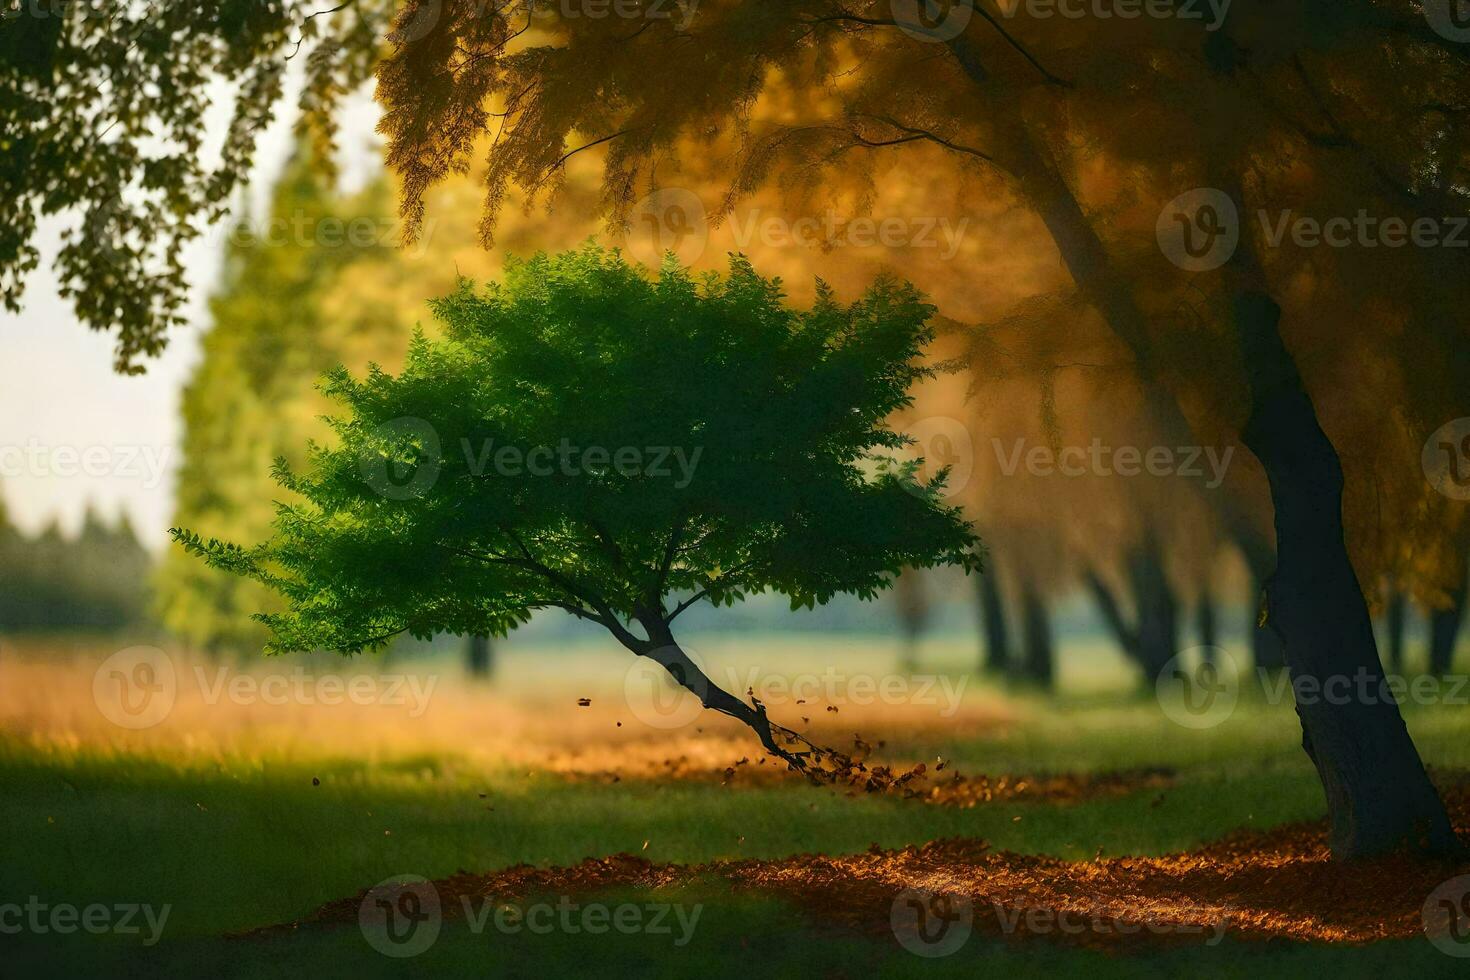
(237, 814)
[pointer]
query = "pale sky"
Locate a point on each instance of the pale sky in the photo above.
(71, 431)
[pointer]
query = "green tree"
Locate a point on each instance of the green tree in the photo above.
(250, 399)
(621, 448)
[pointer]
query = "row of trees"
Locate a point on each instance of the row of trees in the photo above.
(93, 580)
(1323, 365)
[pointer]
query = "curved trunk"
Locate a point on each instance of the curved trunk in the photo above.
(1379, 797)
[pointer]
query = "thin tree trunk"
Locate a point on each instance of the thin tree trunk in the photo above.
(1204, 622)
(1158, 610)
(913, 613)
(1379, 798)
(995, 654)
(1444, 629)
(1394, 621)
(1111, 611)
(479, 657)
(1038, 659)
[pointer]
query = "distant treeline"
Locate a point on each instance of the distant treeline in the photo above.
(96, 580)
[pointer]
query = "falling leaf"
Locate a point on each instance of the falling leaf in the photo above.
(584, 702)
(315, 781)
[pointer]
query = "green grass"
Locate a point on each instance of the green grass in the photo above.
(237, 843)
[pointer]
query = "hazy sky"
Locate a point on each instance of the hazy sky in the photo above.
(71, 431)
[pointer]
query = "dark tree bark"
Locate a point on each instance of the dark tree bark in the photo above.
(1112, 614)
(1152, 640)
(1395, 618)
(1158, 609)
(1037, 655)
(479, 657)
(995, 653)
(1379, 798)
(1204, 621)
(1444, 629)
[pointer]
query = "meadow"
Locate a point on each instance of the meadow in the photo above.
(253, 803)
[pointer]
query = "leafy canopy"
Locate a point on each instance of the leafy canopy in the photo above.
(588, 438)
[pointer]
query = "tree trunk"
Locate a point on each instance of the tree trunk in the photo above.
(1379, 798)
(1158, 610)
(913, 612)
(1204, 622)
(995, 654)
(479, 657)
(1112, 614)
(1394, 621)
(1266, 652)
(1037, 660)
(1444, 629)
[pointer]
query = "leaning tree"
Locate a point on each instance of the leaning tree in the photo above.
(587, 439)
